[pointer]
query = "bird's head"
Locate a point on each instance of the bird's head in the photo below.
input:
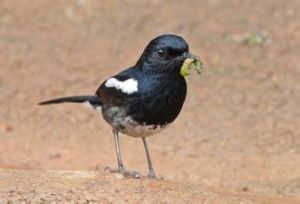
(164, 54)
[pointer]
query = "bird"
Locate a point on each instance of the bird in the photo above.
(143, 99)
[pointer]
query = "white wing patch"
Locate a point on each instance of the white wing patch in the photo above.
(128, 86)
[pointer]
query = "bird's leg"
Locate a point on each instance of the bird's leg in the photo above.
(117, 146)
(151, 173)
(121, 168)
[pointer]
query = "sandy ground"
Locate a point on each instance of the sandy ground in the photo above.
(48, 186)
(239, 128)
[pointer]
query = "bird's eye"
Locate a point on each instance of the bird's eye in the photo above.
(161, 53)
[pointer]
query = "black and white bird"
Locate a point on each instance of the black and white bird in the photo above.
(143, 99)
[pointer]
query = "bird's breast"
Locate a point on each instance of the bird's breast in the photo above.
(160, 101)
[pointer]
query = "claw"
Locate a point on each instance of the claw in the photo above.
(152, 175)
(133, 174)
(122, 171)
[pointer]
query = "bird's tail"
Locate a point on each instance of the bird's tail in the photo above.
(94, 100)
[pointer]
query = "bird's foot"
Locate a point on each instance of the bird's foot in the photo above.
(125, 173)
(152, 175)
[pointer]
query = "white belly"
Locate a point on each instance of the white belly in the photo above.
(132, 128)
(120, 122)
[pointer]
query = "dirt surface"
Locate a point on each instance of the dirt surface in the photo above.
(239, 128)
(94, 187)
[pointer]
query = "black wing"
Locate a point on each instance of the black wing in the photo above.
(114, 96)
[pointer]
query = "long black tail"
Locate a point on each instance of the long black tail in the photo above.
(93, 100)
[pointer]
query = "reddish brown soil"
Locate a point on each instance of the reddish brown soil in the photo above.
(48, 186)
(239, 128)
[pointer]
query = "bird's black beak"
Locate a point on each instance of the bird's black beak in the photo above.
(188, 55)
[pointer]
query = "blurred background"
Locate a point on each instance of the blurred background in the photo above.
(240, 125)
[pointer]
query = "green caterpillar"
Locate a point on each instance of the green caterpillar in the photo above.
(184, 71)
